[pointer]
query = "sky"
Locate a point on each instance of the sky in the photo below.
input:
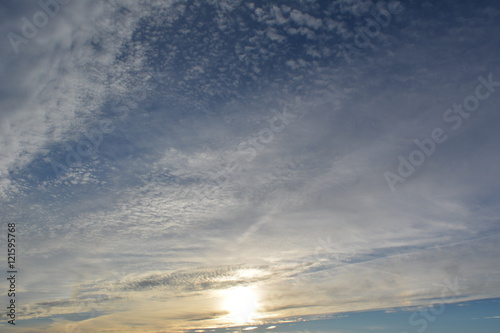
(262, 166)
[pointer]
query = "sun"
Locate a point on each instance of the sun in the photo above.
(241, 304)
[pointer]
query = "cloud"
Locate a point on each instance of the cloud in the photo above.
(305, 19)
(145, 229)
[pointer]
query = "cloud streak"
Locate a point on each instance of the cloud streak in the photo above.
(239, 150)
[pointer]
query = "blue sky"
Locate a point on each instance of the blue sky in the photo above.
(309, 166)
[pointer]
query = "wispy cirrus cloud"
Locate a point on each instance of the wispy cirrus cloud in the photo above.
(142, 231)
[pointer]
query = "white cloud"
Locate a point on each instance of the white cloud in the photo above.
(143, 229)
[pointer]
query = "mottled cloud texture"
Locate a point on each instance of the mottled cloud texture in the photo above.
(156, 154)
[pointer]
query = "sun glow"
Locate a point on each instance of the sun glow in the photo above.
(241, 303)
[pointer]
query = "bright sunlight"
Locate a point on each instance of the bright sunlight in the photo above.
(241, 303)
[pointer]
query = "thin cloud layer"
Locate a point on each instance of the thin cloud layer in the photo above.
(157, 156)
